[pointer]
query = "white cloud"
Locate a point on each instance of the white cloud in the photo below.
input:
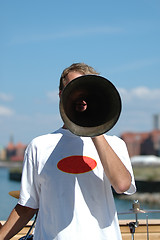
(5, 97)
(4, 111)
(138, 107)
(146, 93)
(140, 93)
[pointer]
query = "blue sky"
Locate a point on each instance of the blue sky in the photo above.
(120, 39)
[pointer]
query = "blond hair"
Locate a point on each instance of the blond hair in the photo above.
(76, 67)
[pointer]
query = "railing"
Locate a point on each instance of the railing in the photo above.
(140, 231)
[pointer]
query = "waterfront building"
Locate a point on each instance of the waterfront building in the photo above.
(156, 121)
(145, 143)
(2, 154)
(15, 152)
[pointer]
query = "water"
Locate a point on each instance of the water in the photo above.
(7, 202)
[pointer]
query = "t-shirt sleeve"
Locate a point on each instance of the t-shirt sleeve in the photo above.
(119, 147)
(29, 182)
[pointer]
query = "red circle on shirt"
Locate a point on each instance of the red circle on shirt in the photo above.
(76, 164)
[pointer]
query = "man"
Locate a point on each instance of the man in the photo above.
(68, 179)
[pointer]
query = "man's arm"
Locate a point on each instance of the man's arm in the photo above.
(115, 170)
(18, 218)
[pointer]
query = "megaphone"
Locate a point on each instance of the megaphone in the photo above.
(90, 105)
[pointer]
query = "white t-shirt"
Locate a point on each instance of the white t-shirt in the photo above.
(64, 178)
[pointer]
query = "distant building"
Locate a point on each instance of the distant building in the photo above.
(2, 154)
(156, 121)
(147, 143)
(15, 152)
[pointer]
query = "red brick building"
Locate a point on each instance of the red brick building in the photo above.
(147, 143)
(15, 152)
